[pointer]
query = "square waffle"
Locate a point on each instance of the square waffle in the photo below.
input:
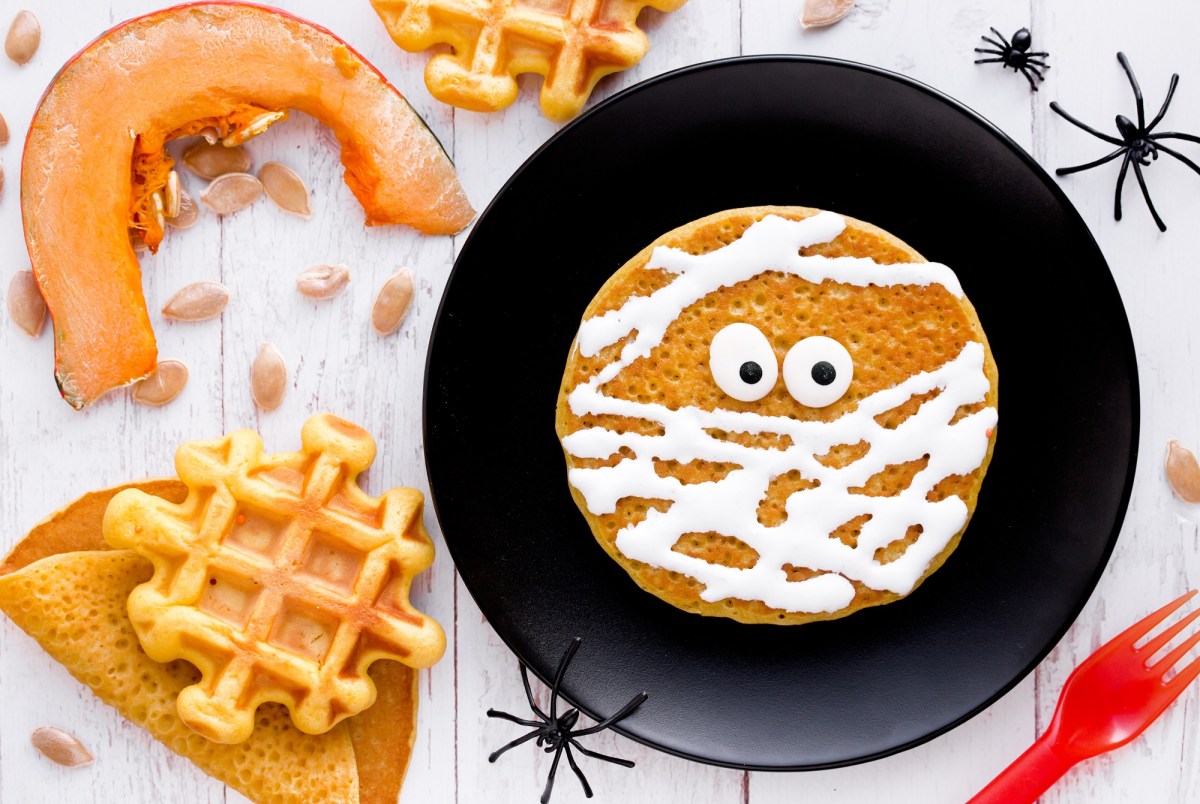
(278, 578)
(571, 43)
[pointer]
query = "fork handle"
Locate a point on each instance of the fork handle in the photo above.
(1030, 775)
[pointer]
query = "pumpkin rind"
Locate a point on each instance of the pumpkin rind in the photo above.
(151, 79)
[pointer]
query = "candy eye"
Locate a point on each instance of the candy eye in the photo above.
(743, 363)
(817, 371)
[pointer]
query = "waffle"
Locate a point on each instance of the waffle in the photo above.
(278, 578)
(571, 43)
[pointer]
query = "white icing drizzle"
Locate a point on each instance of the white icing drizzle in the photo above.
(729, 506)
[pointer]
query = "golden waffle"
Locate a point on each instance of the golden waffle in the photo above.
(278, 578)
(571, 43)
(65, 588)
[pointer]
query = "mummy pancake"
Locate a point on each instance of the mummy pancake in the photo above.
(778, 415)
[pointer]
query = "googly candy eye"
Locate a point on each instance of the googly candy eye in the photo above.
(817, 371)
(742, 362)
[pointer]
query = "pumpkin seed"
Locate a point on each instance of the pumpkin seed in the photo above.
(231, 192)
(3, 131)
(171, 195)
(255, 127)
(198, 301)
(208, 160)
(61, 747)
(268, 377)
(164, 384)
(285, 188)
(323, 281)
(137, 241)
(26, 306)
(819, 13)
(392, 303)
(1183, 472)
(189, 210)
(161, 219)
(24, 36)
(210, 135)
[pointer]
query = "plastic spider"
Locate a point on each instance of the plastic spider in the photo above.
(1017, 55)
(556, 733)
(1137, 144)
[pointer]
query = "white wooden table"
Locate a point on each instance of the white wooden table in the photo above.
(49, 453)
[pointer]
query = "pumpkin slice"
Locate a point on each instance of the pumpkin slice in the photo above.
(94, 160)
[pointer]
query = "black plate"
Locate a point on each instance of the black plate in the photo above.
(813, 132)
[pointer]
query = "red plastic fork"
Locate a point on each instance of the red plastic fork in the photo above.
(1110, 699)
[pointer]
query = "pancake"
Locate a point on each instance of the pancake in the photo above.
(778, 415)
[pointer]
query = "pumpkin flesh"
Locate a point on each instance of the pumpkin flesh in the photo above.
(94, 159)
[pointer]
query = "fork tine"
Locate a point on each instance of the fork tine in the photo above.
(1184, 677)
(1153, 646)
(1143, 626)
(1170, 660)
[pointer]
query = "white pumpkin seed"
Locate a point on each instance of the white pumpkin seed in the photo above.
(210, 135)
(171, 195)
(189, 210)
(209, 160)
(61, 747)
(231, 192)
(323, 281)
(1183, 472)
(392, 303)
(137, 241)
(24, 36)
(198, 301)
(268, 377)
(819, 13)
(285, 188)
(255, 127)
(3, 130)
(164, 384)
(26, 306)
(157, 202)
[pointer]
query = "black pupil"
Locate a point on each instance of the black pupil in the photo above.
(823, 373)
(750, 372)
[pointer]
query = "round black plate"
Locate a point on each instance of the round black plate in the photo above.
(812, 132)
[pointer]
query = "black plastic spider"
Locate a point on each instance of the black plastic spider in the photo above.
(1017, 55)
(557, 732)
(1138, 145)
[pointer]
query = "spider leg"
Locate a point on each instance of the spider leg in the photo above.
(625, 763)
(1063, 114)
(990, 50)
(1174, 135)
(1037, 63)
(1137, 171)
(1002, 39)
(624, 712)
(513, 718)
(1166, 102)
(1036, 71)
(529, 695)
(1029, 78)
(1180, 157)
(562, 670)
(1036, 53)
(1121, 183)
(550, 778)
(492, 757)
(1077, 168)
(987, 61)
(991, 41)
(1137, 90)
(587, 788)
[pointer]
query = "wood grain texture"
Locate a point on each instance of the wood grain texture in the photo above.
(50, 454)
